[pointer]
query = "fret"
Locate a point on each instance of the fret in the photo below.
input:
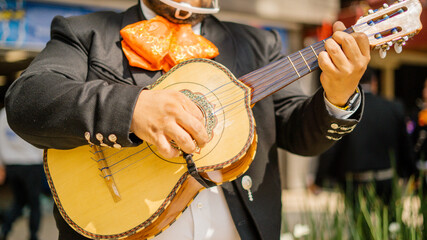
(300, 64)
(309, 69)
(294, 66)
(309, 56)
(314, 51)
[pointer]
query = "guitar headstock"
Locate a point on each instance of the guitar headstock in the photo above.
(391, 25)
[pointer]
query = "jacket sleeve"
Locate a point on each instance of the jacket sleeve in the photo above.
(53, 105)
(303, 124)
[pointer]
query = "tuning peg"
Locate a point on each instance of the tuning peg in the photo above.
(385, 5)
(383, 53)
(402, 41)
(398, 47)
(384, 48)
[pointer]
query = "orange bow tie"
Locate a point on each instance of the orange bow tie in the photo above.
(158, 44)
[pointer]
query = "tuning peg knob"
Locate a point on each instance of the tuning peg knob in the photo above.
(383, 53)
(386, 46)
(402, 41)
(398, 48)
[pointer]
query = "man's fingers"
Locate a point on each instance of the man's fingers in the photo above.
(338, 26)
(363, 42)
(336, 54)
(164, 115)
(325, 62)
(348, 44)
(182, 139)
(195, 128)
(165, 148)
(192, 108)
(193, 122)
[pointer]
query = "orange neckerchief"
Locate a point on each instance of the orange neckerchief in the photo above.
(158, 44)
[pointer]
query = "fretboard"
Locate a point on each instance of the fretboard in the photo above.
(277, 75)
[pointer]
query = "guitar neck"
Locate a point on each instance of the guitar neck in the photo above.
(277, 75)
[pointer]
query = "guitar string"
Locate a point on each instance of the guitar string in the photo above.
(280, 71)
(130, 164)
(256, 84)
(299, 68)
(267, 86)
(104, 150)
(320, 44)
(112, 166)
(274, 73)
(261, 72)
(276, 70)
(128, 156)
(150, 153)
(106, 157)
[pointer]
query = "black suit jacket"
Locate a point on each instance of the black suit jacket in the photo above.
(379, 139)
(81, 82)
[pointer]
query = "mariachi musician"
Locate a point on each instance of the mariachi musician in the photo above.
(82, 88)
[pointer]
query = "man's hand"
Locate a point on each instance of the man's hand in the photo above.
(343, 64)
(164, 115)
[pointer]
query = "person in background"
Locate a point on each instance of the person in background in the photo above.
(90, 85)
(2, 181)
(24, 174)
(2, 173)
(419, 134)
(378, 147)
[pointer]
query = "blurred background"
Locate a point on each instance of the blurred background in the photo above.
(25, 29)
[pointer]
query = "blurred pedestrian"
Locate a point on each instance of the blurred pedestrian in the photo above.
(24, 174)
(2, 180)
(420, 133)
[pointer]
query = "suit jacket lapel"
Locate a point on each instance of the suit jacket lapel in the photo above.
(218, 34)
(140, 76)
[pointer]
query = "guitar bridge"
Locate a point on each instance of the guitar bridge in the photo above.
(106, 173)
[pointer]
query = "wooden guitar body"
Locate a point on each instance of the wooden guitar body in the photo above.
(137, 193)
